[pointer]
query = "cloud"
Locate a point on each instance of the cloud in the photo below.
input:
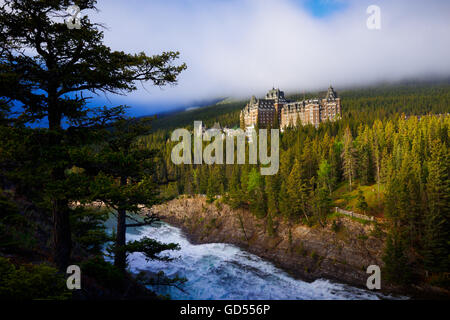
(243, 47)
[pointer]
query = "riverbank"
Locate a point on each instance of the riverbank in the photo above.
(341, 254)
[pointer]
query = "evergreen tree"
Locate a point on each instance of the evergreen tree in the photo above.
(270, 227)
(436, 244)
(324, 175)
(45, 68)
(361, 202)
(297, 191)
(283, 200)
(235, 191)
(322, 204)
(256, 194)
(272, 193)
(122, 172)
(396, 269)
(348, 157)
(215, 184)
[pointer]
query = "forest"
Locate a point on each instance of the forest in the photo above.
(388, 157)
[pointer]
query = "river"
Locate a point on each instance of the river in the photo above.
(224, 271)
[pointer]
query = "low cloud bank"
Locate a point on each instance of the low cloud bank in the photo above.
(242, 47)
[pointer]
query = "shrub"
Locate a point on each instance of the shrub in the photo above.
(103, 272)
(31, 282)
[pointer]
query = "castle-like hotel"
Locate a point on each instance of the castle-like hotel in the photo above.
(274, 107)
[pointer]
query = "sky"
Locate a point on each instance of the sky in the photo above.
(239, 48)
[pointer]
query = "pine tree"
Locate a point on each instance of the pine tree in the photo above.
(270, 228)
(49, 69)
(396, 267)
(297, 191)
(203, 179)
(348, 157)
(324, 176)
(256, 196)
(188, 185)
(121, 171)
(215, 184)
(244, 182)
(336, 161)
(361, 202)
(283, 200)
(235, 192)
(322, 204)
(377, 153)
(436, 245)
(272, 193)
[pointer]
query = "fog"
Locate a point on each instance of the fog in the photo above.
(242, 47)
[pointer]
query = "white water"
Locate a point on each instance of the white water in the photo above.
(223, 271)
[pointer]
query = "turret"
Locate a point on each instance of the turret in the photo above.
(331, 94)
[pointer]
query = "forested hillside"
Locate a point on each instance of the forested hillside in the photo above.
(388, 157)
(363, 104)
(86, 165)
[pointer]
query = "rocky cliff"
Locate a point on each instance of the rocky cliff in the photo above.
(341, 253)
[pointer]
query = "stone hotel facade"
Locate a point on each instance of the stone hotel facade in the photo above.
(274, 107)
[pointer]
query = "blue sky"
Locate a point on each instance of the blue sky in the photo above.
(323, 8)
(239, 48)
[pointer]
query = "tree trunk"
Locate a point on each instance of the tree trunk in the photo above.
(62, 241)
(62, 238)
(120, 257)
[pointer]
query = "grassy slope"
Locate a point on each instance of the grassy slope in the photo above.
(345, 199)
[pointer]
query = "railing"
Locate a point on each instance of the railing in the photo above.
(354, 214)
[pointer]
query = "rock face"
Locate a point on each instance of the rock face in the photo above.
(341, 254)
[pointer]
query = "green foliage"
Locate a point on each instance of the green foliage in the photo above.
(325, 177)
(88, 229)
(397, 269)
(48, 71)
(336, 225)
(437, 227)
(297, 194)
(362, 204)
(103, 272)
(322, 205)
(15, 229)
(160, 279)
(256, 196)
(31, 282)
(272, 190)
(151, 248)
(100, 155)
(270, 228)
(348, 157)
(374, 145)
